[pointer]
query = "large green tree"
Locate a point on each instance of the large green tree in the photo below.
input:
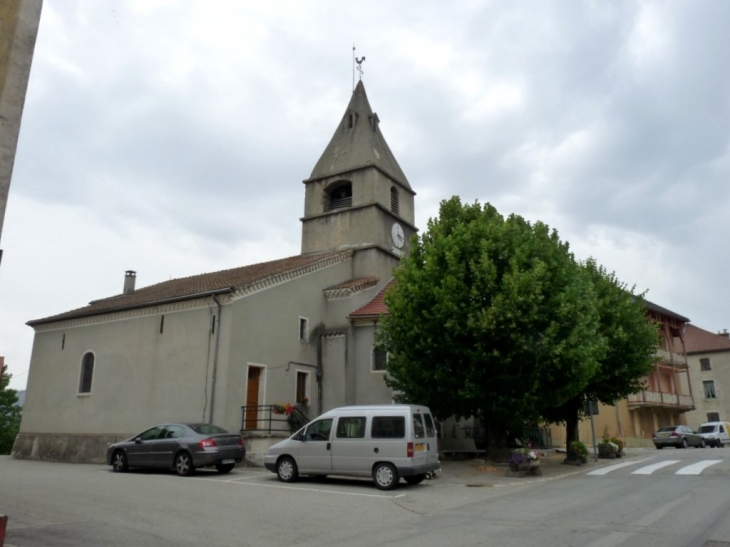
(9, 412)
(490, 317)
(632, 340)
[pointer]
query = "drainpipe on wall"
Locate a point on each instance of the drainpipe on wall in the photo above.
(215, 359)
(319, 332)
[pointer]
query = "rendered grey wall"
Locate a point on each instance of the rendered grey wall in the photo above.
(720, 374)
(141, 376)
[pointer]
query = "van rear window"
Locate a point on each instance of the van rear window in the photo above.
(430, 428)
(388, 427)
(418, 431)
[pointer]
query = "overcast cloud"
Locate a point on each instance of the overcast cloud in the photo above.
(171, 138)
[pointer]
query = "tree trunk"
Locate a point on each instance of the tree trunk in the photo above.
(571, 423)
(497, 450)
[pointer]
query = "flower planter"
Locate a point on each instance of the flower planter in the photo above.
(522, 470)
(606, 451)
(572, 458)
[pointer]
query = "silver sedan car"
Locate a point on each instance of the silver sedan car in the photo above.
(678, 436)
(183, 447)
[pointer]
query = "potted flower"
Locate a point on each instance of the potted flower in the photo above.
(620, 444)
(304, 401)
(524, 460)
(607, 448)
(282, 408)
(577, 452)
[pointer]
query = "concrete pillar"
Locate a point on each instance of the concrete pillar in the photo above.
(19, 20)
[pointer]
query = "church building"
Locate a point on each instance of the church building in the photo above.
(233, 347)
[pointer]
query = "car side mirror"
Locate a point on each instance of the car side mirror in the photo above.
(137, 440)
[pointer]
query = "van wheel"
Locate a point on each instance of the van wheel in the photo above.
(385, 476)
(287, 470)
(415, 479)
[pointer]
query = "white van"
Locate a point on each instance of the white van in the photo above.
(715, 433)
(384, 442)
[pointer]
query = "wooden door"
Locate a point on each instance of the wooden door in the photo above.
(252, 398)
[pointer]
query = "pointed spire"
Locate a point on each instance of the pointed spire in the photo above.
(358, 143)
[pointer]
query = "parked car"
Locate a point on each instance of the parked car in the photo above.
(183, 447)
(716, 434)
(678, 436)
(384, 442)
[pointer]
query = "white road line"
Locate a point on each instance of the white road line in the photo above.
(299, 488)
(697, 468)
(606, 470)
(649, 469)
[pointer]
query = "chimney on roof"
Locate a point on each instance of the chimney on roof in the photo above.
(724, 333)
(130, 276)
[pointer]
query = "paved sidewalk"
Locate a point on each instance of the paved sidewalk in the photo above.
(477, 472)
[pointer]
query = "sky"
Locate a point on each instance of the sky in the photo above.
(172, 138)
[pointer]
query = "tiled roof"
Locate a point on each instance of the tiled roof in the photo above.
(664, 311)
(198, 285)
(376, 307)
(350, 287)
(697, 340)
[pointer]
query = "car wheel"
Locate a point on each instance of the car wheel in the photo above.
(224, 467)
(184, 464)
(702, 444)
(684, 443)
(415, 479)
(119, 461)
(658, 447)
(287, 470)
(385, 476)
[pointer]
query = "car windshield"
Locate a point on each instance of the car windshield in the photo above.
(707, 428)
(207, 429)
(670, 428)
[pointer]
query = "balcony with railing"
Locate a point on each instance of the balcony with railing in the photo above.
(672, 358)
(272, 419)
(661, 399)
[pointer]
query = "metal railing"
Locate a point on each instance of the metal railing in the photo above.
(671, 357)
(661, 398)
(269, 419)
(541, 437)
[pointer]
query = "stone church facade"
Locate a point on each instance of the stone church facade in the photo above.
(224, 347)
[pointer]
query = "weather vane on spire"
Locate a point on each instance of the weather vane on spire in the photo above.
(357, 61)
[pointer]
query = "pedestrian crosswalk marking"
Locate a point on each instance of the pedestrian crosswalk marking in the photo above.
(649, 469)
(607, 470)
(697, 468)
(692, 469)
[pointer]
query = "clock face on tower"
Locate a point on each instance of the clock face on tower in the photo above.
(396, 233)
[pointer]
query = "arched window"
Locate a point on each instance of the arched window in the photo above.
(339, 195)
(87, 373)
(394, 199)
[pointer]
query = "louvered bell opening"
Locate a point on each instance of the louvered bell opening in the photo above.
(394, 200)
(340, 197)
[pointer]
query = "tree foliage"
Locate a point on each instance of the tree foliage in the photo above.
(630, 352)
(9, 413)
(490, 316)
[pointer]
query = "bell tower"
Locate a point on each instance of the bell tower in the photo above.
(357, 196)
